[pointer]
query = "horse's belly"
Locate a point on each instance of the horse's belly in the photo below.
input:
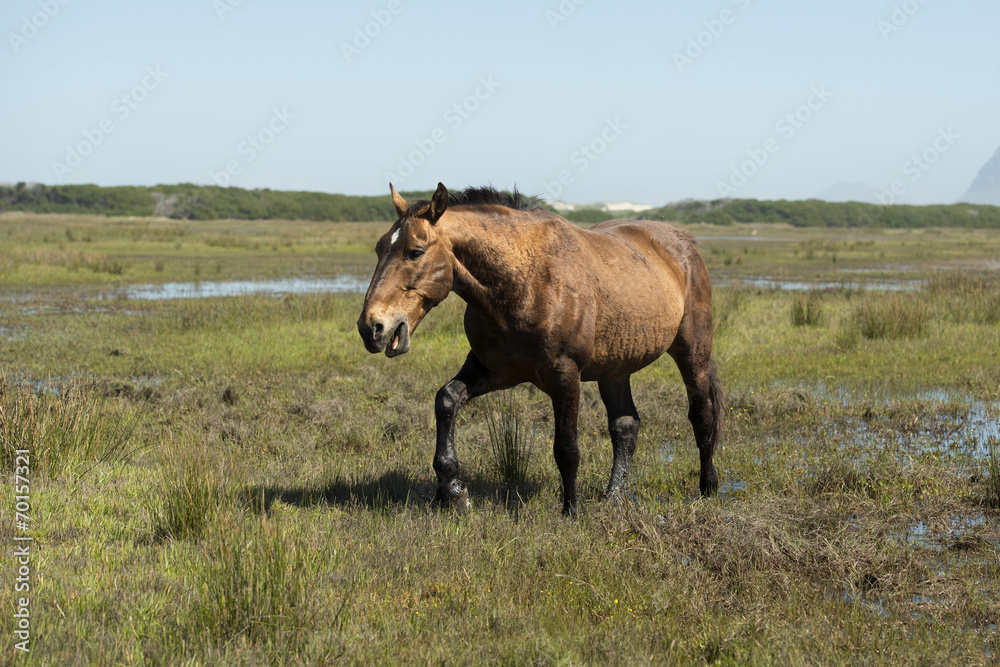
(635, 333)
(624, 349)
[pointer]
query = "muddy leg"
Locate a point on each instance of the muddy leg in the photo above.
(565, 394)
(623, 425)
(704, 412)
(473, 380)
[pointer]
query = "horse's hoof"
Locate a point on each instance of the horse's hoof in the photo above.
(616, 496)
(457, 501)
(461, 503)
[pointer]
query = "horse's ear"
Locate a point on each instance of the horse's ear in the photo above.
(439, 202)
(398, 202)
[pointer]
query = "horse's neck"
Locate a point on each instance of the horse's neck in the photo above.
(491, 259)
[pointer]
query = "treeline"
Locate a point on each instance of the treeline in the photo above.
(810, 213)
(816, 213)
(198, 202)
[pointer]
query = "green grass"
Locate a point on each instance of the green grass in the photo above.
(806, 311)
(891, 316)
(71, 430)
(236, 481)
(510, 441)
(993, 465)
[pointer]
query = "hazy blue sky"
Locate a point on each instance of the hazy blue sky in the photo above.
(586, 99)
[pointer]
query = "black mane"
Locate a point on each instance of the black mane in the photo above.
(486, 196)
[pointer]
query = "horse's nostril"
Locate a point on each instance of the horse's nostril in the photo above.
(378, 329)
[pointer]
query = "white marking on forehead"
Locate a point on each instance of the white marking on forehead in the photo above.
(395, 237)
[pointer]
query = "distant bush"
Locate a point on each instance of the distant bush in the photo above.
(815, 213)
(591, 216)
(195, 202)
(208, 202)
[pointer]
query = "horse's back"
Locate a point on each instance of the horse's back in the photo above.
(673, 244)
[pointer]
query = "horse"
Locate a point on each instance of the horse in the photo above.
(551, 304)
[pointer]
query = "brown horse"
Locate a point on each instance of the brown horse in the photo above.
(549, 304)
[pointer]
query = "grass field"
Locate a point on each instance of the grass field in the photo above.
(235, 480)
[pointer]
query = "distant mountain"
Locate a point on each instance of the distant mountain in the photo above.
(844, 192)
(986, 188)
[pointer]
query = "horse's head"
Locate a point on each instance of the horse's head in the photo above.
(414, 273)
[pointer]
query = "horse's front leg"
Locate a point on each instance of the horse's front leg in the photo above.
(565, 394)
(473, 380)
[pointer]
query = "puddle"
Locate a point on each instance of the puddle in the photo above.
(954, 533)
(210, 289)
(754, 238)
(731, 490)
(56, 385)
(947, 423)
(9, 335)
(804, 286)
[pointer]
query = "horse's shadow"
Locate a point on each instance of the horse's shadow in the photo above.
(392, 491)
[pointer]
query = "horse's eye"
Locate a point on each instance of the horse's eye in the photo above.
(416, 253)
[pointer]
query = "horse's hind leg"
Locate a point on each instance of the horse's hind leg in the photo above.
(623, 426)
(704, 400)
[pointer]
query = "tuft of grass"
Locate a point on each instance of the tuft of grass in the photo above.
(255, 583)
(966, 297)
(993, 466)
(188, 505)
(891, 316)
(806, 311)
(510, 441)
(727, 305)
(74, 429)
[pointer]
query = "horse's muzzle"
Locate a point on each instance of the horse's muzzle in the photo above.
(392, 336)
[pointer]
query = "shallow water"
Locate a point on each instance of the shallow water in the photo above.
(803, 286)
(963, 425)
(212, 289)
